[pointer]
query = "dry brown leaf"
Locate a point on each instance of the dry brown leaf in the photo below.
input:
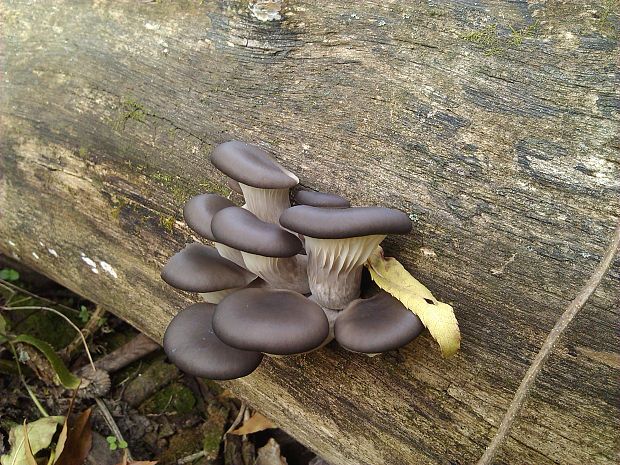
(269, 454)
(79, 439)
(254, 424)
(125, 462)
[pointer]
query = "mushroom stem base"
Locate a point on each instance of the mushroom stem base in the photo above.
(280, 273)
(229, 253)
(266, 204)
(335, 268)
(216, 297)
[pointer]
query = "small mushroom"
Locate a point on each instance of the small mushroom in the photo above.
(268, 250)
(198, 212)
(234, 185)
(264, 183)
(321, 199)
(338, 241)
(272, 321)
(376, 325)
(191, 344)
(199, 268)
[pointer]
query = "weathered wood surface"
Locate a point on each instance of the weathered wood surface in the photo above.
(501, 144)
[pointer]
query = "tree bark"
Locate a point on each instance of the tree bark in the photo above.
(493, 124)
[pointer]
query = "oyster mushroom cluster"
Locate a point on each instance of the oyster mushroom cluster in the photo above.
(280, 279)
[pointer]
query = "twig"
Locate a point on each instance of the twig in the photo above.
(191, 458)
(23, 380)
(48, 309)
(109, 419)
(93, 322)
(134, 350)
(238, 419)
(530, 376)
(14, 287)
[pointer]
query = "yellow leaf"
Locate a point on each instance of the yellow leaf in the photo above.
(27, 449)
(254, 424)
(27, 441)
(437, 316)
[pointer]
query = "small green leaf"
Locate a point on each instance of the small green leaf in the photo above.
(112, 442)
(84, 314)
(122, 444)
(3, 326)
(9, 274)
(67, 379)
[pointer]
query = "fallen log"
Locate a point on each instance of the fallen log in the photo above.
(495, 128)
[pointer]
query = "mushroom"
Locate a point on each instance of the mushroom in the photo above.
(272, 321)
(198, 212)
(191, 344)
(233, 185)
(376, 325)
(338, 241)
(199, 268)
(265, 184)
(268, 250)
(332, 316)
(321, 199)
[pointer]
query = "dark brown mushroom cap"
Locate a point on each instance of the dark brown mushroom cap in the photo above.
(199, 210)
(339, 223)
(271, 321)
(377, 324)
(234, 185)
(321, 199)
(239, 228)
(200, 268)
(251, 165)
(191, 344)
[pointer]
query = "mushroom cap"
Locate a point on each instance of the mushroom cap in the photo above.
(234, 185)
(199, 268)
(252, 166)
(321, 199)
(272, 321)
(239, 228)
(191, 344)
(339, 223)
(377, 324)
(199, 210)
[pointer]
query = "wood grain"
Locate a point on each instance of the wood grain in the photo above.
(493, 124)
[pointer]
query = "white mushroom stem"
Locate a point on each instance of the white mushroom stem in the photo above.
(369, 355)
(216, 297)
(266, 204)
(331, 315)
(335, 268)
(229, 253)
(281, 273)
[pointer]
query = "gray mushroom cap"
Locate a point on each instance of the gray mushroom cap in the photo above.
(234, 185)
(238, 228)
(199, 210)
(191, 344)
(321, 199)
(377, 324)
(271, 321)
(339, 223)
(200, 268)
(251, 165)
